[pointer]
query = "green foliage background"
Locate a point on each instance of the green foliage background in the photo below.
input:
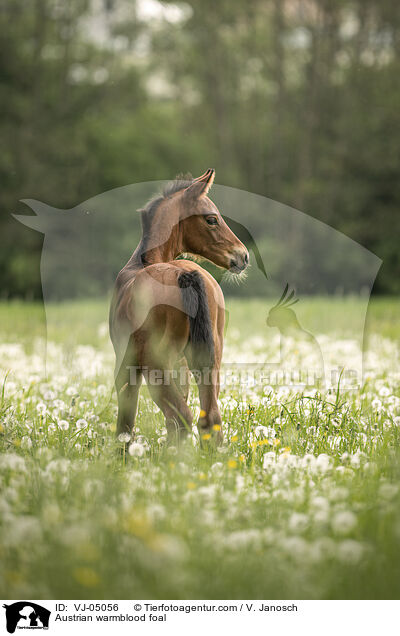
(295, 100)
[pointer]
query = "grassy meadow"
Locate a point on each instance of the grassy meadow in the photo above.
(301, 501)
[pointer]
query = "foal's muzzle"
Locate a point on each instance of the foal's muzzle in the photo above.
(239, 261)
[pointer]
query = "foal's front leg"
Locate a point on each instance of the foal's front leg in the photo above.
(127, 384)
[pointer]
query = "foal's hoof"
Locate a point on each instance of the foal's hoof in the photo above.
(177, 436)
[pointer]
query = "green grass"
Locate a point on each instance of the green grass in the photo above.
(301, 501)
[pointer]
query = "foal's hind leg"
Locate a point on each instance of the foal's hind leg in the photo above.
(208, 383)
(182, 377)
(210, 421)
(163, 390)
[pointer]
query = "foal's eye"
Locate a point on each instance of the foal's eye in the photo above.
(212, 220)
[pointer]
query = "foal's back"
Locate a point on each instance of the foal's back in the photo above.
(152, 309)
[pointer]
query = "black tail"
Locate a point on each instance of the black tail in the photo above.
(195, 304)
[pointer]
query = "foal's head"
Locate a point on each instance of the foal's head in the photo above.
(204, 231)
(187, 221)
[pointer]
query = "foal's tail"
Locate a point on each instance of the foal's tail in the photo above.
(195, 304)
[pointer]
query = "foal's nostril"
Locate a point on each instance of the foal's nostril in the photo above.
(240, 261)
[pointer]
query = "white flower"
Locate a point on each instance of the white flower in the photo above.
(63, 425)
(371, 467)
(57, 467)
(344, 521)
(356, 459)
(269, 459)
(171, 547)
(240, 539)
(49, 396)
(156, 512)
(298, 522)
(308, 461)
(376, 404)
(93, 487)
(102, 329)
(217, 468)
(41, 408)
(321, 518)
(338, 493)
(26, 442)
(124, 438)
(12, 461)
(75, 534)
(388, 491)
(350, 551)
(319, 502)
(136, 450)
(81, 424)
(297, 547)
(322, 548)
(323, 463)
(23, 529)
(265, 431)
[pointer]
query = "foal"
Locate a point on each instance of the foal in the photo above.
(167, 315)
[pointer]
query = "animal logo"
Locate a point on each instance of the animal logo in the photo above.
(26, 615)
(298, 347)
(84, 248)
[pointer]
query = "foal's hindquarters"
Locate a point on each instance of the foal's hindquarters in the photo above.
(169, 319)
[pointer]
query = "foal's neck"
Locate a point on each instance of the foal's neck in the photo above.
(149, 252)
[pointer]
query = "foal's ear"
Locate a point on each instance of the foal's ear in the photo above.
(201, 185)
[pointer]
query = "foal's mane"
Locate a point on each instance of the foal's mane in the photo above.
(179, 183)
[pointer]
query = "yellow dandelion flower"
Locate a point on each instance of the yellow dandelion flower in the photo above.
(202, 476)
(263, 442)
(1, 428)
(216, 427)
(87, 551)
(254, 444)
(203, 413)
(232, 463)
(206, 436)
(286, 449)
(191, 485)
(17, 443)
(86, 577)
(277, 442)
(234, 438)
(242, 458)
(13, 578)
(138, 524)
(171, 465)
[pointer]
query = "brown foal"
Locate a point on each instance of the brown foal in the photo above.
(167, 315)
